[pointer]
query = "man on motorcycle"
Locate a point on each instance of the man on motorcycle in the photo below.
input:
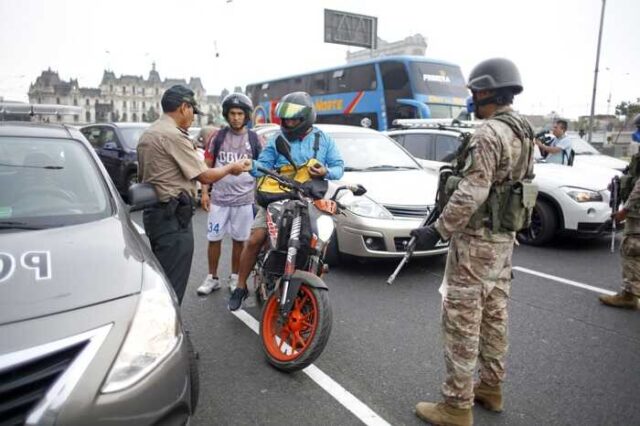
(297, 116)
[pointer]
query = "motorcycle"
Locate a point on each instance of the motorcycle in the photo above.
(296, 317)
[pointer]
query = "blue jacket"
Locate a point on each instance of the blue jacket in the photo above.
(301, 152)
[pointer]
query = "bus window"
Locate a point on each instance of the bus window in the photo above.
(353, 79)
(396, 86)
(435, 79)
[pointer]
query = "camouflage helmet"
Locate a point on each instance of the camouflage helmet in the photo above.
(296, 105)
(237, 100)
(495, 73)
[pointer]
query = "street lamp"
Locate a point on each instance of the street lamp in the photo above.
(595, 77)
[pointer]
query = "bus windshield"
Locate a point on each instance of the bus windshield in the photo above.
(438, 80)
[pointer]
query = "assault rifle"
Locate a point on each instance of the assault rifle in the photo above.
(614, 203)
(411, 246)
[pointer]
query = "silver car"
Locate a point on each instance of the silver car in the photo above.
(400, 194)
(90, 331)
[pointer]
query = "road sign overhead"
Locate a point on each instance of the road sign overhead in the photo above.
(350, 29)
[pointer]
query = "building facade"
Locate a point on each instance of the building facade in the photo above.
(413, 45)
(127, 98)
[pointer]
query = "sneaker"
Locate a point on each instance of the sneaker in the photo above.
(208, 285)
(238, 295)
(233, 282)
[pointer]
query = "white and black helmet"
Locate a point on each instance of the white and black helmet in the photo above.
(237, 100)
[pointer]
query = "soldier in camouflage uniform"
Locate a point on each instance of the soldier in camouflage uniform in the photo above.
(477, 277)
(628, 295)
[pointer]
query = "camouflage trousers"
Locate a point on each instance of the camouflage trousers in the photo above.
(474, 315)
(630, 250)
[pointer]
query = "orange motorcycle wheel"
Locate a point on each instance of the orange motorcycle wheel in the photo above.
(296, 342)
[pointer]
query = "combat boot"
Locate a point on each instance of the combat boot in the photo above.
(443, 414)
(624, 299)
(490, 397)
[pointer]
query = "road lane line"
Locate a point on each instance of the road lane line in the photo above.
(333, 388)
(565, 281)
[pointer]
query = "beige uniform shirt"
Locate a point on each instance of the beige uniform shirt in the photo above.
(168, 159)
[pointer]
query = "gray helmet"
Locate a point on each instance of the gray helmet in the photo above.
(636, 120)
(495, 73)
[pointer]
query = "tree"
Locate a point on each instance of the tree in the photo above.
(628, 109)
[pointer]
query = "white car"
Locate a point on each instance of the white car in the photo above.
(571, 200)
(400, 194)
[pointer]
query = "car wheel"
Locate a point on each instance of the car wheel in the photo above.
(194, 374)
(544, 225)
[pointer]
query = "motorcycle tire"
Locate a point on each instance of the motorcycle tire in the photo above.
(300, 341)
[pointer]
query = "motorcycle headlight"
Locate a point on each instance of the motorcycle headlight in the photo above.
(582, 195)
(364, 206)
(325, 228)
(154, 333)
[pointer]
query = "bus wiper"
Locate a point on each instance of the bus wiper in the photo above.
(390, 167)
(19, 225)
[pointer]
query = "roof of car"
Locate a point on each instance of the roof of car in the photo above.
(122, 125)
(38, 130)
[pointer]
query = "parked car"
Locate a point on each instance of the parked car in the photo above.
(90, 330)
(586, 156)
(399, 195)
(115, 144)
(571, 200)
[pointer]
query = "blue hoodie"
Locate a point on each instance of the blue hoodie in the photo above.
(301, 152)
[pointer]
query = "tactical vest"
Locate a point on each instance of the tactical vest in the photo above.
(510, 203)
(628, 181)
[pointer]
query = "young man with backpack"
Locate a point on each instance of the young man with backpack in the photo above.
(230, 204)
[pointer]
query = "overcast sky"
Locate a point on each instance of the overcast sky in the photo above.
(553, 42)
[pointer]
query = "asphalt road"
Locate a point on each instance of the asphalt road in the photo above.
(571, 361)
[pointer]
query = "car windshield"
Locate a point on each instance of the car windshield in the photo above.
(49, 183)
(582, 147)
(372, 151)
(131, 136)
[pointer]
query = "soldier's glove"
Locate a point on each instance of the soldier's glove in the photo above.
(426, 237)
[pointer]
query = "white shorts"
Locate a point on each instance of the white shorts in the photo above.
(235, 221)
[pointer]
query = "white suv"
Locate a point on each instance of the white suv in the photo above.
(570, 200)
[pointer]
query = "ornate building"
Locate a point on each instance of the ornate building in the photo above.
(125, 98)
(412, 45)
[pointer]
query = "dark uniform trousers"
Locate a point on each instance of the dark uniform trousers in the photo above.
(171, 240)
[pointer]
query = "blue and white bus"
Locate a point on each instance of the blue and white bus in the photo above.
(374, 92)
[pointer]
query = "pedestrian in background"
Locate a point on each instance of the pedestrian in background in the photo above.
(558, 151)
(230, 205)
(169, 161)
(477, 277)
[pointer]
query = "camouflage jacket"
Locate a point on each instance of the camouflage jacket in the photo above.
(494, 153)
(632, 205)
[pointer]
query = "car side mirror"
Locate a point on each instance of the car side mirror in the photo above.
(142, 196)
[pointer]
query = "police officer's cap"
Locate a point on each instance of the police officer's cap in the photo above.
(495, 73)
(177, 94)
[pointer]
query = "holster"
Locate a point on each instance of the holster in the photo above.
(183, 207)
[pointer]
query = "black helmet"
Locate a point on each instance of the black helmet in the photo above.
(237, 100)
(495, 73)
(296, 105)
(636, 120)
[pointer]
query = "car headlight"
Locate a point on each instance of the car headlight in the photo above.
(364, 206)
(582, 195)
(154, 333)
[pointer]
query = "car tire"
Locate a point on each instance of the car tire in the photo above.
(194, 374)
(544, 225)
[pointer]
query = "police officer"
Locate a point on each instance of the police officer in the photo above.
(478, 270)
(169, 161)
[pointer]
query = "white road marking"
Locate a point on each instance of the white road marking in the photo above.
(333, 388)
(564, 281)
